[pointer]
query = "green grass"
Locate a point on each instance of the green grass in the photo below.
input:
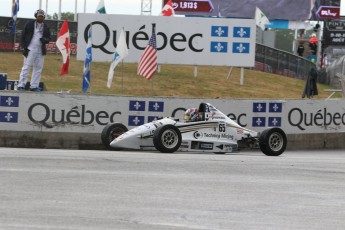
(172, 81)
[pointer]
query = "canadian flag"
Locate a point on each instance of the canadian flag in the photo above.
(168, 9)
(63, 44)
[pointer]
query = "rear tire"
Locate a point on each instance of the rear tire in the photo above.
(167, 139)
(110, 132)
(273, 141)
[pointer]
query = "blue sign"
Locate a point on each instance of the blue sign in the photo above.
(135, 120)
(275, 107)
(9, 101)
(274, 121)
(240, 47)
(9, 117)
(259, 122)
(219, 47)
(219, 31)
(136, 105)
(156, 106)
(259, 107)
(241, 32)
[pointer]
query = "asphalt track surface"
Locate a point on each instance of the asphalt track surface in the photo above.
(77, 189)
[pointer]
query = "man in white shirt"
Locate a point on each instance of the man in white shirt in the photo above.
(35, 36)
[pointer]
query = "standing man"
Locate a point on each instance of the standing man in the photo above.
(300, 49)
(35, 36)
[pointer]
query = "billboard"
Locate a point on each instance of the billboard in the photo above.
(180, 40)
(274, 9)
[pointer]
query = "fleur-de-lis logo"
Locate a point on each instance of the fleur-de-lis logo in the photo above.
(241, 32)
(219, 47)
(275, 122)
(241, 48)
(9, 101)
(136, 120)
(219, 31)
(8, 117)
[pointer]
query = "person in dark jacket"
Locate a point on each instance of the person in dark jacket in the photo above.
(35, 36)
(310, 88)
(300, 49)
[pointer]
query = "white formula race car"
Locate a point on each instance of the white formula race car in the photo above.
(214, 132)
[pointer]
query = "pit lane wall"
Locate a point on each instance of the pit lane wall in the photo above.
(75, 121)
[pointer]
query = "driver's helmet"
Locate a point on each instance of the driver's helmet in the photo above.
(191, 115)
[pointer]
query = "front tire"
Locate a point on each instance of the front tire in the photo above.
(273, 141)
(167, 139)
(110, 132)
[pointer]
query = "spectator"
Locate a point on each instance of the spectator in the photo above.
(313, 43)
(310, 89)
(35, 36)
(300, 49)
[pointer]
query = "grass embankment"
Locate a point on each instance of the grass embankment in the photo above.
(172, 81)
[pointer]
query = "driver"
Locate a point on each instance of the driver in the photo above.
(191, 115)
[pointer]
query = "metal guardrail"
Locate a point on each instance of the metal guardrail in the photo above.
(280, 62)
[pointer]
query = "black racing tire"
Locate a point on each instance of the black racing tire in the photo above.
(167, 139)
(273, 141)
(110, 132)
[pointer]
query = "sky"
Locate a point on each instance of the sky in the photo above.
(27, 8)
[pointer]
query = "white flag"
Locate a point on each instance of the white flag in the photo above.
(101, 8)
(261, 19)
(120, 53)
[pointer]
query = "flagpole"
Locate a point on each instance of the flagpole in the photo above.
(152, 87)
(75, 10)
(59, 15)
(14, 30)
(90, 61)
(122, 76)
(90, 76)
(46, 6)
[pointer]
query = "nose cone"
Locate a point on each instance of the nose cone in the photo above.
(126, 141)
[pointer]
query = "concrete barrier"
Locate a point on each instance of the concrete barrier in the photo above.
(93, 141)
(75, 121)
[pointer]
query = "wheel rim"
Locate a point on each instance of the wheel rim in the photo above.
(276, 141)
(169, 138)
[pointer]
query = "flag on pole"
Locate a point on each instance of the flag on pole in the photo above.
(120, 53)
(261, 19)
(64, 46)
(168, 9)
(15, 9)
(101, 8)
(87, 63)
(148, 61)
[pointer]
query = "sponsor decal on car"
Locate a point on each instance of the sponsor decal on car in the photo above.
(205, 145)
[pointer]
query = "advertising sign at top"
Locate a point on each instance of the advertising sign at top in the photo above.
(192, 5)
(180, 40)
(328, 12)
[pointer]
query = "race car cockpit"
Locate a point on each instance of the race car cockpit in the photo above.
(194, 114)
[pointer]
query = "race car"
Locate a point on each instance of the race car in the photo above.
(205, 129)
